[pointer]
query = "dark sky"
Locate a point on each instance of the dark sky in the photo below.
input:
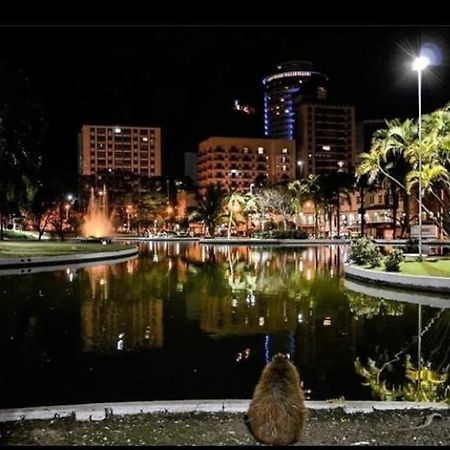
(184, 78)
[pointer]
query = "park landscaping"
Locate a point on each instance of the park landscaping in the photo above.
(27, 249)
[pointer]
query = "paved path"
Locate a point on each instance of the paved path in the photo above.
(98, 411)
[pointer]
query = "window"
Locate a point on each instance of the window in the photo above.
(285, 150)
(260, 150)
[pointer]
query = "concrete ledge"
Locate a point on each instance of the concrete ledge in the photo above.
(396, 280)
(420, 298)
(55, 260)
(281, 242)
(99, 411)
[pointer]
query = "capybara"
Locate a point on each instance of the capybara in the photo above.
(277, 412)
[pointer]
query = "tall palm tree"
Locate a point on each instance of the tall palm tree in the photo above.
(332, 187)
(234, 202)
(209, 207)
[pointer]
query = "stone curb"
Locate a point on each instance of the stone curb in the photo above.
(54, 260)
(99, 411)
(399, 281)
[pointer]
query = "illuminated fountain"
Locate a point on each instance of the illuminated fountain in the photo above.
(96, 222)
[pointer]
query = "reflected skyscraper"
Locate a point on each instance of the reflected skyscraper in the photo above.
(292, 83)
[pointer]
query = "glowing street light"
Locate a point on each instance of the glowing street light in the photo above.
(300, 167)
(419, 64)
(128, 209)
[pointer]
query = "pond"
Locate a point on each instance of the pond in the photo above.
(193, 321)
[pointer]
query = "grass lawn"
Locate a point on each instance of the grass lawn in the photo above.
(28, 249)
(428, 268)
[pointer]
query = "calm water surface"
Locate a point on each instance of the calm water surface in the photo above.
(192, 321)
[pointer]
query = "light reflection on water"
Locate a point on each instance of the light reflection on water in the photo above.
(194, 321)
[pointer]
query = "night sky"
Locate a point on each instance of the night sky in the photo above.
(185, 78)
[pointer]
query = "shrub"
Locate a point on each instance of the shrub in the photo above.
(365, 252)
(393, 260)
(281, 234)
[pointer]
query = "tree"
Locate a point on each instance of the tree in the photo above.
(280, 200)
(210, 207)
(22, 127)
(234, 203)
(332, 187)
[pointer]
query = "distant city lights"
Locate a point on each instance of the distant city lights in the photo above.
(245, 108)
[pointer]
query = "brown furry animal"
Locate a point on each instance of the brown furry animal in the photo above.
(277, 412)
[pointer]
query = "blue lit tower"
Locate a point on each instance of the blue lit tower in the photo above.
(293, 82)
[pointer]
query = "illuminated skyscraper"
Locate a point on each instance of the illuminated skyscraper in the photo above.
(292, 79)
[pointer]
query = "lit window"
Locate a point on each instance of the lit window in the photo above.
(145, 139)
(260, 150)
(117, 130)
(327, 321)
(284, 168)
(326, 148)
(284, 150)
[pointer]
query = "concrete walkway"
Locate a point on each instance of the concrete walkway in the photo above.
(98, 411)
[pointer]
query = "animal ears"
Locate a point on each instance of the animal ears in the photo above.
(284, 355)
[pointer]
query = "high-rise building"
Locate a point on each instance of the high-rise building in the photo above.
(292, 80)
(190, 166)
(115, 148)
(234, 163)
(326, 138)
(364, 133)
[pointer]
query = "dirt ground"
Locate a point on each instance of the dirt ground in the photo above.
(400, 427)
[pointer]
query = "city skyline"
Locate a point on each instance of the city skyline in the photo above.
(185, 79)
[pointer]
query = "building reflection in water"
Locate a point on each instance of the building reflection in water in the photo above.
(118, 314)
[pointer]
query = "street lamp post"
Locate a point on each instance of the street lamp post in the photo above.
(300, 166)
(128, 209)
(419, 64)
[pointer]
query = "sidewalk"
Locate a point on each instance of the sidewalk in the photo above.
(98, 411)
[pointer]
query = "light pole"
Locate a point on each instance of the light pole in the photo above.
(128, 209)
(419, 64)
(300, 166)
(67, 205)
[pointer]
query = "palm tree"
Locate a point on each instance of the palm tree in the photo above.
(234, 203)
(210, 207)
(309, 189)
(331, 188)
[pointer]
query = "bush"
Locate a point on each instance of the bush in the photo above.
(364, 252)
(412, 246)
(281, 234)
(393, 260)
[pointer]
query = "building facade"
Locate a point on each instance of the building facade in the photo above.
(326, 138)
(235, 163)
(113, 148)
(292, 82)
(364, 133)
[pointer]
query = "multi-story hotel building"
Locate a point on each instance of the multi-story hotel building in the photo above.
(116, 148)
(234, 163)
(326, 138)
(293, 81)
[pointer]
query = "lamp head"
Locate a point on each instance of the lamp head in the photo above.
(420, 63)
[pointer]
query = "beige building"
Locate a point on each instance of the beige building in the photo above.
(234, 163)
(326, 138)
(117, 148)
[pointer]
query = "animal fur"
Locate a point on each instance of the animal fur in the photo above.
(277, 412)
